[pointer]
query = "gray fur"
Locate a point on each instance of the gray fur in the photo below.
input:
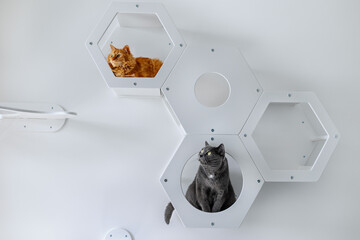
(211, 190)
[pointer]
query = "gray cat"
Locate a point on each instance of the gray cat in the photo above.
(211, 190)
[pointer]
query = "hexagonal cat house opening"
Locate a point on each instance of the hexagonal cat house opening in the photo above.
(149, 32)
(180, 172)
(211, 90)
(290, 136)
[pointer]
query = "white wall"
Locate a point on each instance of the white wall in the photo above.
(102, 170)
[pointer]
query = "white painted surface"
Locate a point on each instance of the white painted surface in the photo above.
(82, 181)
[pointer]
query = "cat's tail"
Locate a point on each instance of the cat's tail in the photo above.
(168, 212)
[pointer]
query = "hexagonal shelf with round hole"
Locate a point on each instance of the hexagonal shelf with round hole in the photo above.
(211, 90)
(290, 136)
(149, 32)
(181, 170)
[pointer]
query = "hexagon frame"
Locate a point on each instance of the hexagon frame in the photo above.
(297, 175)
(178, 90)
(136, 86)
(231, 217)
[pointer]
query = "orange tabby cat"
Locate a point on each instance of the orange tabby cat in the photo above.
(123, 64)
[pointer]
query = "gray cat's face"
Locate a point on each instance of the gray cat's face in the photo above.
(211, 157)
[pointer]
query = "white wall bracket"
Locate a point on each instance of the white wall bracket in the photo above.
(290, 136)
(252, 182)
(33, 117)
(149, 31)
(118, 234)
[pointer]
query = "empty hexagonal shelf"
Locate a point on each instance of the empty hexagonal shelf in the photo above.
(149, 31)
(181, 170)
(211, 90)
(290, 136)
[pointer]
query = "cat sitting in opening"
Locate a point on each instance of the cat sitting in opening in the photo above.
(211, 190)
(123, 64)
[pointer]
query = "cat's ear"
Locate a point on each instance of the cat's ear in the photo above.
(206, 144)
(127, 49)
(221, 150)
(112, 47)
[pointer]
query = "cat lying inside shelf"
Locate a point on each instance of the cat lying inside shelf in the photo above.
(123, 64)
(211, 190)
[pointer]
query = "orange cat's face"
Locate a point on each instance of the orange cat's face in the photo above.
(120, 57)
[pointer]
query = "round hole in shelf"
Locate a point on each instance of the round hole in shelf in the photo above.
(165, 180)
(192, 165)
(257, 90)
(212, 139)
(336, 136)
(259, 181)
(245, 135)
(212, 50)
(212, 224)
(289, 95)
(135, 83)
(212, 130)
(181, 44)
(292, 177)
(110, 235)
(137, 5)
(167, 89)
(212, 89)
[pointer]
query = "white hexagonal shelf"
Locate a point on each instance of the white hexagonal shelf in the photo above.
(207, 73)
(149, 31)
(245, 178)
(290, 136)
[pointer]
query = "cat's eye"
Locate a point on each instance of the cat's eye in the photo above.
(209, 153)
(118, 55)
(202, 151)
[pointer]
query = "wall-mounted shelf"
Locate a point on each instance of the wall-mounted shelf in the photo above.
(224, 66)
(33, 117)
(247, 189)
(290, 136)
(149, 31)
